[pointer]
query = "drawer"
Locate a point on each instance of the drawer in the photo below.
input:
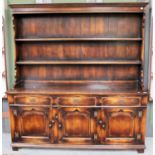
(32, 100)
(119, 100)
(76, 100)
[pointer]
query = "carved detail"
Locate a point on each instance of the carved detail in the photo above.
(140, 114)
(50, 125)
(102, 124)
(15, 69)
(142, 56)
(53, 121)
(142, 78)
(120, 110)
(15, 113)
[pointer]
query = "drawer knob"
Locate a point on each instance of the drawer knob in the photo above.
(32, 100)
(76, 100)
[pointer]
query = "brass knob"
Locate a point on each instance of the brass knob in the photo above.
(56, 116)
(50, 125)
(53, 121)
(60, 125)
(100, 121)
(103, 126)
(32, 100)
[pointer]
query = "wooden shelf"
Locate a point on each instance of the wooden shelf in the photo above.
(76, 87)
(77, 39)
(77, 62)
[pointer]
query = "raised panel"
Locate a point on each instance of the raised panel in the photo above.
(121, 124)
(31, 123)
(77, 125)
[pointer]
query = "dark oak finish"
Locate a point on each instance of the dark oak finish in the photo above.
(79, 76)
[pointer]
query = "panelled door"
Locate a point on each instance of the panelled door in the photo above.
(121, 125)
(74, 125)
(30, 124)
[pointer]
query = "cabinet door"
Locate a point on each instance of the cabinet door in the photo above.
(30, 124)
(121, 125)
(73, 125)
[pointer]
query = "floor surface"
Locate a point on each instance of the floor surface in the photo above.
(8, 151)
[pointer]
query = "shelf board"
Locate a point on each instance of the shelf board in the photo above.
(77, 62)
(77, 39)
(83, 87)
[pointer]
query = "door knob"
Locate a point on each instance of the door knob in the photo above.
(60, 125)
(50, 125)
(103, 126)
(100, 121)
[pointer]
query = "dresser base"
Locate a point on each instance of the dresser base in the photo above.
(139, 148)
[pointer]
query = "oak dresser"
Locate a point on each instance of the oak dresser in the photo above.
(79, 76)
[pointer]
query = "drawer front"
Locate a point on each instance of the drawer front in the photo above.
(76, 101)
(32, 100)
(122, 101)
